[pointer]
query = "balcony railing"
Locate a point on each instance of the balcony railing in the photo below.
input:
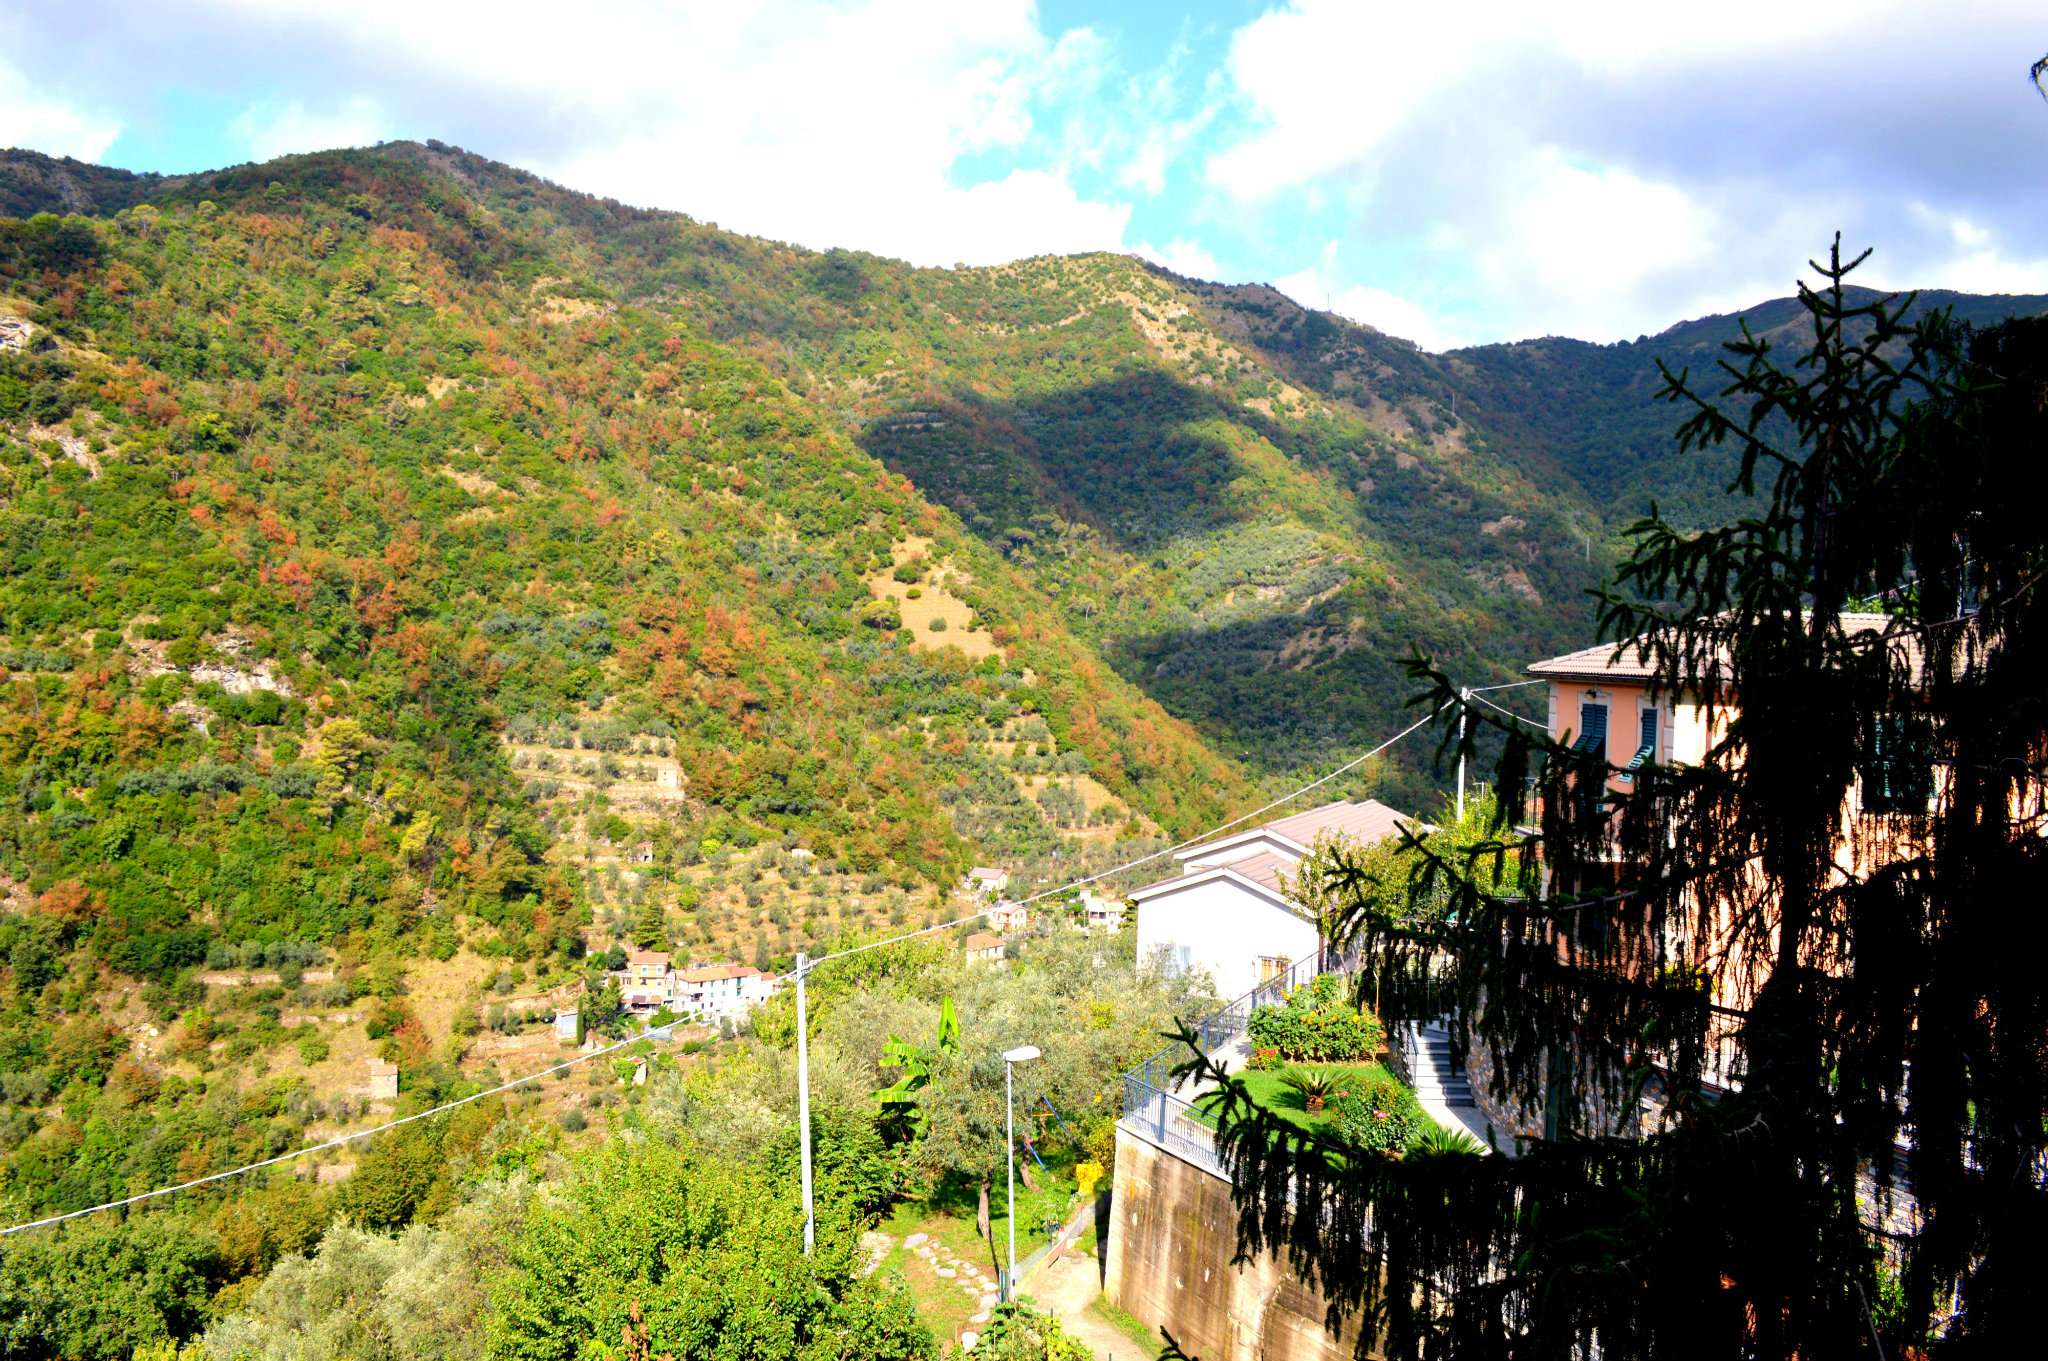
(1227, 1024)
(1156, 1107)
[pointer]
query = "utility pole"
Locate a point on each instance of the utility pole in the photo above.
(1464, 698)
(803, 1101)
(1010, 1167)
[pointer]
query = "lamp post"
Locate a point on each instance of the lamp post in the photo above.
(803, 1101)
(1023, 1053)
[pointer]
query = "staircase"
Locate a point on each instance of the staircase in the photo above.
(1435, 1071)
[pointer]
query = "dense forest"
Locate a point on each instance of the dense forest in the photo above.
(420, 581)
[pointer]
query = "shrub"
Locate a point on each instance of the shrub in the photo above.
(572, 1120)
(1382, 1116)
(938, 625)
(1316, 1024)
(1263, 1060)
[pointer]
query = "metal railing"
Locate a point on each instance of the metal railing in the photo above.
(1163, 1119)
(1153, 1108)
(1227, 1024)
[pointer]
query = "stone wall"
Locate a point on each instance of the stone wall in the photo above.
(1515, 1122)
(1172, 1234)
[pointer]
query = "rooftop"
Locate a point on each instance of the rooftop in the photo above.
(711, 973)
(647, 957)
(1367, 821)
(984, 940)
(1626, 661)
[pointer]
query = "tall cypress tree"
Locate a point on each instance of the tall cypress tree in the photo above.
(1856, 871)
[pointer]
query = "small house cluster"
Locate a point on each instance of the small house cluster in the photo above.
(722, 991)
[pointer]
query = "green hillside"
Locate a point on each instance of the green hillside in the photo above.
(420, 581)
(1585, 416)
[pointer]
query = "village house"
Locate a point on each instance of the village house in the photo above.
(1009, 918)
(1102, 914)
(647, 983)
(1230, 911)
(383, 1080)
(722, 991)
(986, 881)
(984, 947)
(1603, 701)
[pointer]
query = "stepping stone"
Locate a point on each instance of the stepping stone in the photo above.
(968, 1339)
(989, 1299)
(981, 1317)
(947, 1272)
(915, 1240)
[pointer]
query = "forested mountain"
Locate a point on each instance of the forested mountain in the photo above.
(1584, 417)
(419, 573)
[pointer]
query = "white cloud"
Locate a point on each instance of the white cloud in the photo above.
(268, 129)
(1321, 286)
(847, 124)
(28, 119)
(1190, 259)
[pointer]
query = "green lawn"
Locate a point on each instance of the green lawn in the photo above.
(947, 1214)
(1266, 1088)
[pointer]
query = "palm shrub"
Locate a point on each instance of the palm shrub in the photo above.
(1316, 1086)
(1437, 1141)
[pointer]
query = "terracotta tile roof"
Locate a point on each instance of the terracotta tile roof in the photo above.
(983, 940)
(711, 973)
(1264, 868)
(1367, 821)
(647, 957)
(1600, 661)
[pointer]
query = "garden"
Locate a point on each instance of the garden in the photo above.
(1315, 1064)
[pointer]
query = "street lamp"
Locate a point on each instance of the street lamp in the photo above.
(1023, 1053)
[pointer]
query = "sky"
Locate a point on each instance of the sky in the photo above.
(1452, 173)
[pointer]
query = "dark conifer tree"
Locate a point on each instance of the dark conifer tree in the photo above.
(1848, 891)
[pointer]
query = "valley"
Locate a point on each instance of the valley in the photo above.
(422, 585)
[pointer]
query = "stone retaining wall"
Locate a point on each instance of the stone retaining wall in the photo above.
(1172, 1235)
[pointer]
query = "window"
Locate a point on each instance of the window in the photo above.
(1898, 773)
(1646, 741)
(1270, 968)
(1592, 729)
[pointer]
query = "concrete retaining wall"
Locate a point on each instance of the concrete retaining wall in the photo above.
(1172, 1234)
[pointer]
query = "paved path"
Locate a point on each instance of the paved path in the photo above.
(1065, 1287)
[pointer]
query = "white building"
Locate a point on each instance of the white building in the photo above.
(1009, 918)
(986, 881)
(722, 990)
(1102, 914)
(1228, 911)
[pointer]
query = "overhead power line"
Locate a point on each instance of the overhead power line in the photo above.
(335, 1142)
(804, 968)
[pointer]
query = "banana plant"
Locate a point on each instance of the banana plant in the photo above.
(902, 1112)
